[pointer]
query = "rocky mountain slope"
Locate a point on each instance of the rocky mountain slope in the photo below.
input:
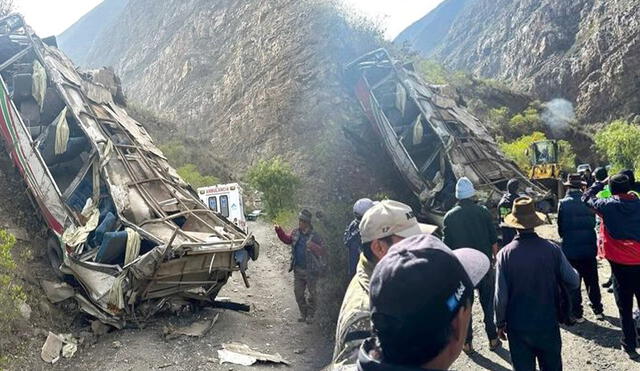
(79, 38)
(245, 81)
(587, 51)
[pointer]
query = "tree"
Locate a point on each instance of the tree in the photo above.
(499, 118)
(525, 122)
(620, 143)
(191, 175)
(276, 180)
(433, 72)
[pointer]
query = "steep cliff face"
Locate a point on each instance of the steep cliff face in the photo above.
(587, 51)
(247, 80)
(79, 38)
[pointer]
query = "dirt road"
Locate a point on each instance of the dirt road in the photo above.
(271, 326)
(592, 345)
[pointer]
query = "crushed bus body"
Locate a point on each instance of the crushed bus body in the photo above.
(124, 227)
(431, 139)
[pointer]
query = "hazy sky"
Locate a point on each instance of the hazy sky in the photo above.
(51, 17)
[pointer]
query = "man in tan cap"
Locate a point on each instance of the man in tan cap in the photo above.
(529, 273)
(383, 225)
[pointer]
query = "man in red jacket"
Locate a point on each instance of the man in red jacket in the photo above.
(621, 244)
(307, 253)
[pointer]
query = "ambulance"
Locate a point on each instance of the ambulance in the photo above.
(226, 200)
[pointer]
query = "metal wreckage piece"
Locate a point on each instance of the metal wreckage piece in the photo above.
(122, 222)
(431, 139)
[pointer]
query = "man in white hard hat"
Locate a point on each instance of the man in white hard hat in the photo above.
(383, 225)
(352, 239)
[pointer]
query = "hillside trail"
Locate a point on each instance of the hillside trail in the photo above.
(270, 327)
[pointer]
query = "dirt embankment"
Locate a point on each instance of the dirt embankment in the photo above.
(22, 332)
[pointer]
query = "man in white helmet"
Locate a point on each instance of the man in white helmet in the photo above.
(352, 234)
(383, 225)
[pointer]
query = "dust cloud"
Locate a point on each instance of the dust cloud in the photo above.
(557, 115)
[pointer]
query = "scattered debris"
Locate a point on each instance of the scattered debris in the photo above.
(51, 349)
(56, 344)
(116, 344)
(241, 354)
(57, 291)
(229, 305)
(69, 349)
(196, 329)
(299, 351)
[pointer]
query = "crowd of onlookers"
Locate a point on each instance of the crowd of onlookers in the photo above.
(408, 305)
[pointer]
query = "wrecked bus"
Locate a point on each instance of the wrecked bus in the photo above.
(430, 138)
(124, 227)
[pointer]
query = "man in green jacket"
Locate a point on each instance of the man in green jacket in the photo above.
(471, 225)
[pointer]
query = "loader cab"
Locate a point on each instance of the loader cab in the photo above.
(544, 152)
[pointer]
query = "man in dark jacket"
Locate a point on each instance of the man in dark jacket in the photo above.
(471, 225)
(307, 252)
(588, 178)
(504, 208)
(635, 186)
(621, 247)
(529, 272)
(425, 331)
(576, 226)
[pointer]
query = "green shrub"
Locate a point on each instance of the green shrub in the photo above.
(175, 152)
(191, 175)
(276, 180)
(567, 156)
(525, 122)
(11, 294)
(620, 143)
(499, 118)
(516, 150)
(433, 72)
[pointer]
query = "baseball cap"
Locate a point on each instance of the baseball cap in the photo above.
(388, 218)
(417, 289)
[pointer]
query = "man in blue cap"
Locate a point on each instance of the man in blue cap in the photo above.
(471, 225)
(352, 239)
(425, 331)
